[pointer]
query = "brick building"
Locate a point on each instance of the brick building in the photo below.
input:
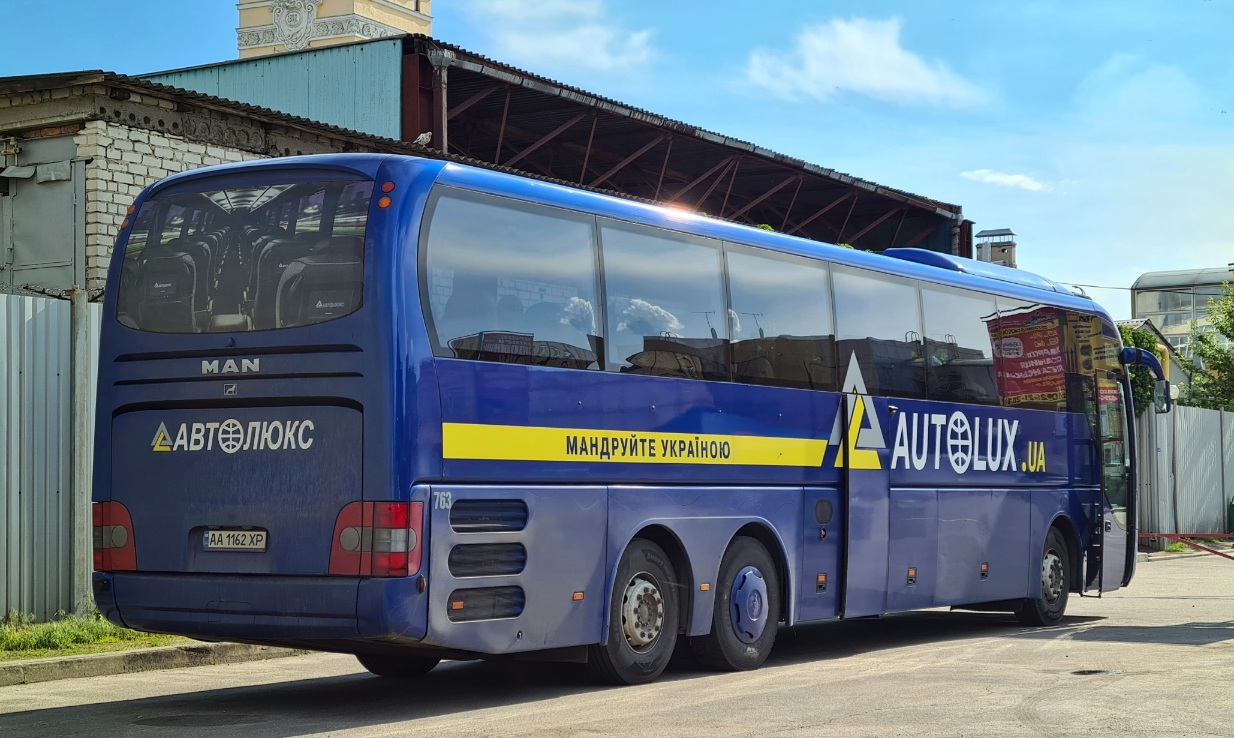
(79, 147)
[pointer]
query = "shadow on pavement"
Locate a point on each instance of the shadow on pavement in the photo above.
(356, 701)
(1181, 634)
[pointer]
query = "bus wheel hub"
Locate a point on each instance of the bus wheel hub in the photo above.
(749, 604)
(1051, 577)
(642, 611)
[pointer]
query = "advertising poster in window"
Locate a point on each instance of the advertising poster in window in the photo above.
(1028, 356)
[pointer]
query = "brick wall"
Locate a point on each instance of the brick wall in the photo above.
(124, 161)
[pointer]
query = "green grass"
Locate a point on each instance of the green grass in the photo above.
(22, 638)
(1180, 547)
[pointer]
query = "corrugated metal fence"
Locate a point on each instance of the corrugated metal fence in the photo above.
(37, 442)
(1187, 471)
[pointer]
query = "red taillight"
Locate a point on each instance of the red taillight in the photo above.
(114, 549)
(380, 539)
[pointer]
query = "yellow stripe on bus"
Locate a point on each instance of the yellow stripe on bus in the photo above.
(531, 443)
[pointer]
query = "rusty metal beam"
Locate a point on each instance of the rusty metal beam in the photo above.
(587, 154)
(668, 151)
(755, 202)
(440, 127)
(545, 139)
(622, 164)
(501, 132)
(702, 177)
(820, 213)
(840, 233)
(792, 202)
(876, 223)
(729, 191)
(920, 236)
(719, 178)
(472, 101)
(894, 236)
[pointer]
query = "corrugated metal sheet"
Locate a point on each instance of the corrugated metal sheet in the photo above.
(1200, 498)
(311, 84)
(36, 452)
(1187, 471)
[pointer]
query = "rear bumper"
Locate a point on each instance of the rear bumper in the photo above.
(264, 609)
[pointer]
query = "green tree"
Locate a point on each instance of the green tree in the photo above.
(1211, 365)
(1142, 378)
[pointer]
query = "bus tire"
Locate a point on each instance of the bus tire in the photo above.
(1055, 584)
(643, 618)
(746, 613)
(398, 667)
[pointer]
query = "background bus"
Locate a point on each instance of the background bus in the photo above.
(413, 410)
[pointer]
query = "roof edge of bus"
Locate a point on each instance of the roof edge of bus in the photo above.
(981, 269)
(362, 164)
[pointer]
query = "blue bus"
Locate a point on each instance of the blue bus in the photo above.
(412, 410)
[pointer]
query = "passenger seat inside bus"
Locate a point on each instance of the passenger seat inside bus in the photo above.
(316, 288)
(168, 282)
(272, 262)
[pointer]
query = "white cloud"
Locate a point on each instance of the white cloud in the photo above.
(989, 176)
(552, 35)
(858, 56)
(1128, 95)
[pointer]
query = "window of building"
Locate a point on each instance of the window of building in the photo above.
(878, 319)
(511, 282)
(665, 303)
(780, 320)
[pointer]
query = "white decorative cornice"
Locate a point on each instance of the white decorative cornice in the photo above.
(294, 22)
(322, 28)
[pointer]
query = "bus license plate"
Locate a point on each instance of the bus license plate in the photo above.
(234, 540)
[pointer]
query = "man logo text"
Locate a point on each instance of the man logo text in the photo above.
(230, 366)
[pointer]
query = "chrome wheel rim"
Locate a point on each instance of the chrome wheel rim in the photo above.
(642, 611)
(1053, 578)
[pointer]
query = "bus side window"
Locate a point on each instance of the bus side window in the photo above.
(780, 320)
(958, 349)
(510, 282)
(666, 314)
(1029, 356)
(878, 320)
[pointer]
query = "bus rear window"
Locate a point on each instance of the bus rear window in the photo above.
(246, 259)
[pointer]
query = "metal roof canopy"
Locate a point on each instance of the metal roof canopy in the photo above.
(1184, 278)
(482, 109)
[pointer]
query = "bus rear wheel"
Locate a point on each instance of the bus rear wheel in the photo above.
(746, 611)
(1055, 584)
(401, 666)
(643, 618)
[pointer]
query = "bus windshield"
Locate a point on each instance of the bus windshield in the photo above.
(245, 258)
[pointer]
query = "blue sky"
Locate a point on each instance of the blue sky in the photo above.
(1102, 132)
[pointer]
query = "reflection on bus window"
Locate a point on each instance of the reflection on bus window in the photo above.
(1028, 355)
(666, 314)
(242, 259)
(878, 319)
(511, 282)
(958, 348)
(780, 320)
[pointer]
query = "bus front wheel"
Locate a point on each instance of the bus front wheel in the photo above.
(746, 612)
(643, 618)
(1055, 584)
(401, 666)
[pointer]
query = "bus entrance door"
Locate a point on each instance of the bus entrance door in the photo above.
(865, 486)
(1117, 519)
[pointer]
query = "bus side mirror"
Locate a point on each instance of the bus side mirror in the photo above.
(1161, 396)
